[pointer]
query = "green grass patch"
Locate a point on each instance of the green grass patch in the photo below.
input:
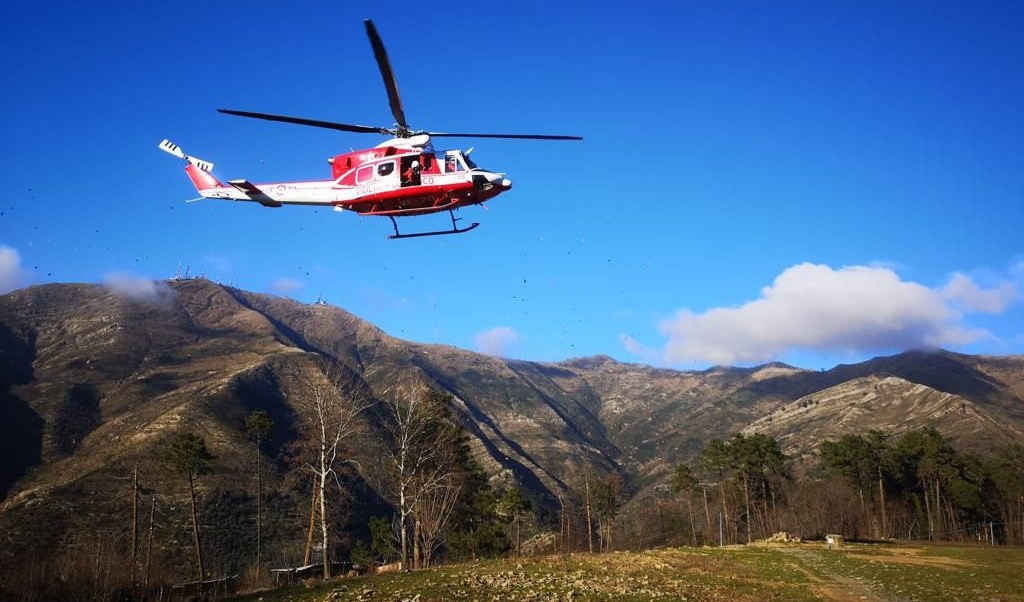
(933, 572)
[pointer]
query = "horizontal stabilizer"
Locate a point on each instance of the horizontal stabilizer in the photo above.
(172, 148)
(250, 190)
(203, 165)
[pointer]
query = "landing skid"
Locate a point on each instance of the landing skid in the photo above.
(455, 229)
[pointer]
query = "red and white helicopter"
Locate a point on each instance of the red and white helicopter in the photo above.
(403, 176)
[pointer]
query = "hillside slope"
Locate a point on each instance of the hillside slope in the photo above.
(94, 383)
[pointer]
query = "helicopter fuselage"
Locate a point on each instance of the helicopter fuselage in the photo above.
(388, 180)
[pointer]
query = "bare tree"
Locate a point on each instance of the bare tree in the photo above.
(433, 507)
(607, 501)
(329, 413)
(423, 456)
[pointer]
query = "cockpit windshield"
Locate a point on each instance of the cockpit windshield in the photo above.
(455, 161)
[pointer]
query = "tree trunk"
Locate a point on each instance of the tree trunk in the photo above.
(519, 541)
(325, 551)
(590, 527)
(312, 525)
(561, 524)
(149, 542)
(863, 507)
(417, 553)
(928, 511)
(402, 525)
(568, 532)
(765, 522)
(746, 500)
(707, 511)
(259, 512)
(881, 497)
(721, 488)
(135, 522)
(195, 528)
(693, 527)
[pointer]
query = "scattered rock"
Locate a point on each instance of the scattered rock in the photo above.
(783, 537)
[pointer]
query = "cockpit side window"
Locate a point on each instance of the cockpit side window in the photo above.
(452, 164)
(385, 169)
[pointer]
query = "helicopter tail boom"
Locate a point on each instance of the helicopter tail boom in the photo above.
(201, 179)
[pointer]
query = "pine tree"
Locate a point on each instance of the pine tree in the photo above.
(188, 454)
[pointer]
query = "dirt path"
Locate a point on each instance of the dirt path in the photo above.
(827, 582)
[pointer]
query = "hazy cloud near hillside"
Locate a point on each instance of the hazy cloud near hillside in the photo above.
(11, 274)
(135, 287)
(496, 341)
(962, 290)
(286, 286)
(815, 307)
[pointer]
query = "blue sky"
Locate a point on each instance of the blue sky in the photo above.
(803, 181)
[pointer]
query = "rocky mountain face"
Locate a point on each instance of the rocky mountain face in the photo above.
(890, 404)
(95, 382)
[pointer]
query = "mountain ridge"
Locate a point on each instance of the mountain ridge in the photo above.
(92, 381)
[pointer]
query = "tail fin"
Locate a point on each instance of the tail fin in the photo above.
(198, 170)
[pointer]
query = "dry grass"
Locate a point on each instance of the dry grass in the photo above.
(788, 572)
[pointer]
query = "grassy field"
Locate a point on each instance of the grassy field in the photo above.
(762, 572)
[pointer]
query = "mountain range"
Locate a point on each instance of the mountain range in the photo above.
(93, 381)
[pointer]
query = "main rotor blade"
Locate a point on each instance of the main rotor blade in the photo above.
(344, 127)
(385, 72)
(516, 136)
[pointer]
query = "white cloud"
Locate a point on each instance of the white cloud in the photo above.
(1017, 268)
(285, 286)
(814, 307)
(11, 274)
(496, 341)
(963, 291)
(645, 353)
(135, 287)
